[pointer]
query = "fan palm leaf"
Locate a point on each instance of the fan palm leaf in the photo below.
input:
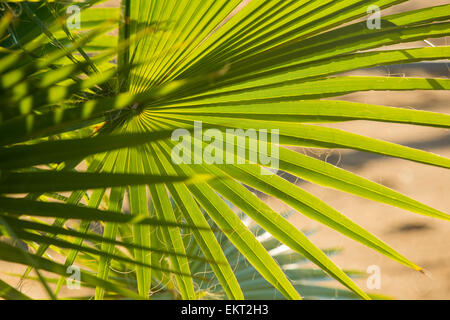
(259, 64)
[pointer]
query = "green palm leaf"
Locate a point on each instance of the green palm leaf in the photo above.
(94, 117)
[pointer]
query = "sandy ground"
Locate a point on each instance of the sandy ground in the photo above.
(423, 240)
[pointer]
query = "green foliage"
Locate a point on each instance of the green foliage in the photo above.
(86, 120)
